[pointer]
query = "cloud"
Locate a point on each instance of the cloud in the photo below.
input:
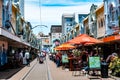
(52, 15)
(60, 2)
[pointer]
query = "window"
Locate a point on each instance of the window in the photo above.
(112, 12)
(53, 36)
(56, 29)
(69, 19)
(101, 23)
(69, 24)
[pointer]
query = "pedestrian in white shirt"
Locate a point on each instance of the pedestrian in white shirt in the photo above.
(27, 56)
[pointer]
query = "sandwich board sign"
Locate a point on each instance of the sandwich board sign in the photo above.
(94, 62)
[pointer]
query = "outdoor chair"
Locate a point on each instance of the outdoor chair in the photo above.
(77, 68)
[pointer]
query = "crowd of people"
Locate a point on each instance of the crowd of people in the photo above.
(19, 58)
(41, 56)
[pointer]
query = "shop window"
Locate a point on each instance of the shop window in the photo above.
(69, 20)
(99, 24)
(103, 22)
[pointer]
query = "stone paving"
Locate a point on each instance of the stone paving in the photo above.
(60, 74)
(54, 73)
(39, 72)
(23, 72)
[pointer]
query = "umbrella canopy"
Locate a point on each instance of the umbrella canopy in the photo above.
(64, 47)
(84, 39)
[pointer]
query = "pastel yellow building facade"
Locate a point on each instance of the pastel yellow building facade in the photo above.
(86, 26)
(100, 21)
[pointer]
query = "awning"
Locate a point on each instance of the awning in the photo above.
(111, 38)
(64, 46)
(12, 39)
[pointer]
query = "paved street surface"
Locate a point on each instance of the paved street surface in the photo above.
(39, 72)
(59, 74)
(49, 71)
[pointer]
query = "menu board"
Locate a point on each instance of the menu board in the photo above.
(65, 58)
(94, 62)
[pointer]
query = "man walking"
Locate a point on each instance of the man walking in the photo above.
(27, 56)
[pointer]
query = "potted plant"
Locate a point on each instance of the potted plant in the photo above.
(76, 53)
(115, 66)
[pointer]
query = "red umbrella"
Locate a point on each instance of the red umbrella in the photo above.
(64, 47)
(84, 39)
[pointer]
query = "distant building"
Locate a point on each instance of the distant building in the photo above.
(44, 41)
(56, 33)
(92, 21)
(79, 20)
(72, 25)
(56, 29)
(67, 22)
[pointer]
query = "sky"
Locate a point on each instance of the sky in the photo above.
(49, 12)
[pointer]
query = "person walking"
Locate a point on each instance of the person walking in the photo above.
(21, 57)
(27, 56)
(38, 55)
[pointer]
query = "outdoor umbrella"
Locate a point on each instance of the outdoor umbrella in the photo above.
(64, 47)
(84, 39)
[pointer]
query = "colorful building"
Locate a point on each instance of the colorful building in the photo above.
(55, 38)
(15, 32)
(100, 19)
(68, 22)
(112, 13)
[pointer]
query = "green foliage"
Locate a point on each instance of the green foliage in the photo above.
(76, 52)
(115, 67)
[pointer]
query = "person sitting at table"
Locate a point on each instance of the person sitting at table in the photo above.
(58, 59)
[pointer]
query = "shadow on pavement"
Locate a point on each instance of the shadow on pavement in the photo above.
(6, 74)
